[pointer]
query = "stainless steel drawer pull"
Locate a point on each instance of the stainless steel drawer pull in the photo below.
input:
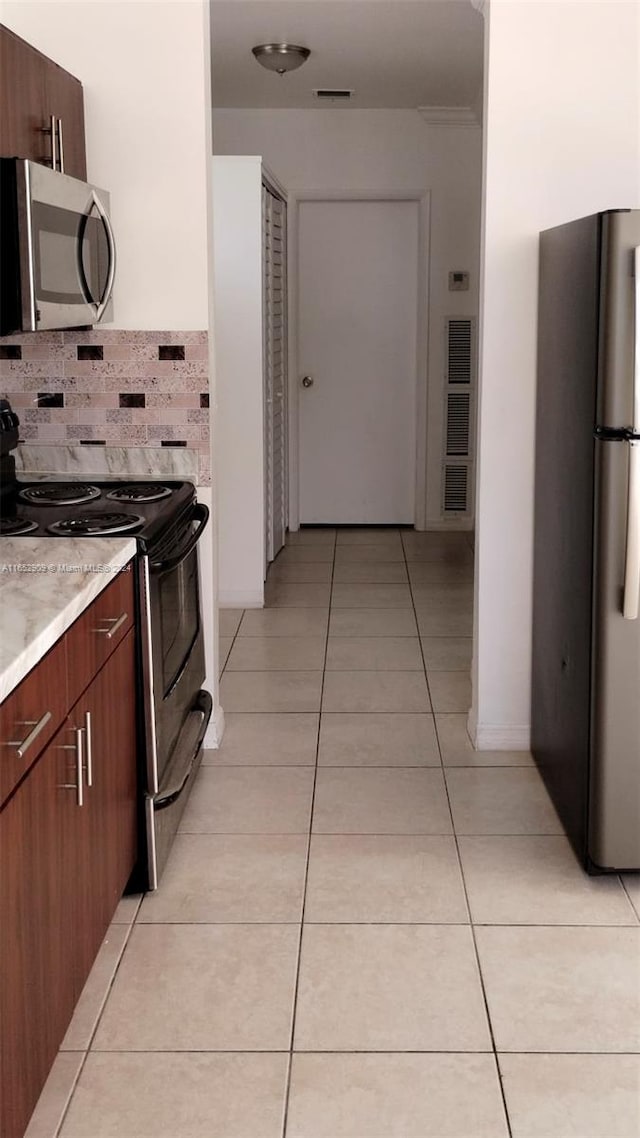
(89, 747)
(116, 623)
(40, 724)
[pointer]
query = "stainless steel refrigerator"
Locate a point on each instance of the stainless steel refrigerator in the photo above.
(586, 622)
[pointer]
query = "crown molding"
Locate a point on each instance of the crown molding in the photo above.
(449, 116)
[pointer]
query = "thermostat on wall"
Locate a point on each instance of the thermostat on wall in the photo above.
(458, 282)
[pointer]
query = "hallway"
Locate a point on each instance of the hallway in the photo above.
(366, 929)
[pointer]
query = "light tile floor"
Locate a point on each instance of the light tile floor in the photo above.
(366, 928)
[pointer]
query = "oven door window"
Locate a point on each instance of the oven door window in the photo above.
(179, 610)
(71, 255)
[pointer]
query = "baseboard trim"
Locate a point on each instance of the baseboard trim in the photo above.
(215, 730)
(232, 599)
(451, 525)
(501, 737)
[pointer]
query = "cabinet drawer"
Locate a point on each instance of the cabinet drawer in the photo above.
(31, 715)
(99, 631)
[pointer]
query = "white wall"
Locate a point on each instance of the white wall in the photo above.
(562, 122)
(142, 65)
(145, 70)
(383, 151)
(239, 462)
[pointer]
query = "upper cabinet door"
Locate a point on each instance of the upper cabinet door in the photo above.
(33, 89)
(66, 103)
(23, 113)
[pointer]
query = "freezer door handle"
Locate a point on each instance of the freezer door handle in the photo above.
(637, 340)
(631, 601)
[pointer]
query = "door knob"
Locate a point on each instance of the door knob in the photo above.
(307, 381)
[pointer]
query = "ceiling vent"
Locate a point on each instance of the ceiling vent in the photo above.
(334, 94)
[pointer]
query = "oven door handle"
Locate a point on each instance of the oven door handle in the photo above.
(201, 515)
(187, 752)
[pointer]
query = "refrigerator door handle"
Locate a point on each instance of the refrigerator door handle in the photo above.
(631, 603)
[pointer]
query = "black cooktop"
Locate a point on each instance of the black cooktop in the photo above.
(93, 509)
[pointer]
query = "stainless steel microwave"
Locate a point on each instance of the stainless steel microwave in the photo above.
(57, 256)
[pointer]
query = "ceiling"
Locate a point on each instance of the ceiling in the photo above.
(394, 53)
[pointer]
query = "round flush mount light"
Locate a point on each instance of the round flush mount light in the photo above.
(281, 57)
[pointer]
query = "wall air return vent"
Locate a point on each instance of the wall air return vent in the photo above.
(333, 94)
(459, 351)
(458, 422)
(456, 485)
(459, 401)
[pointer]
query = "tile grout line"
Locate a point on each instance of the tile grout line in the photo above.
(87, 1050)
(342, 1051)
(629, 897)
(470, 924)
(232, 645)
(373, 924)
(354, 833)
(415, 617)
(472, 929)
(285, 1116)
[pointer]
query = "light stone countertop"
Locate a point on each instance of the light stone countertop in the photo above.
(105, 463)
(45, 583)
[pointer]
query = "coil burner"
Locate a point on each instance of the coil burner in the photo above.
(140, 492)
(59, 494)
(90, 525)
(10, 527)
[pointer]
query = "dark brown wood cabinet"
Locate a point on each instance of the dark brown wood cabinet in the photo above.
(39, 847)
(106, 715)
(33, 90)
(68, 845)
(31, 715)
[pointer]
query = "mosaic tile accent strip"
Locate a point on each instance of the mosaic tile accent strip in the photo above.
(50, 399)
(111, 388)
(171, 352)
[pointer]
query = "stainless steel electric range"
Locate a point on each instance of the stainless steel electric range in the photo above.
(167, 522)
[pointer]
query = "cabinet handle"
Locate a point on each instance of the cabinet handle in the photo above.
(79, 750)
(89, 748)
(79, 764)
(23, 745)
(51, 129)
(116, 623)
(60, 147)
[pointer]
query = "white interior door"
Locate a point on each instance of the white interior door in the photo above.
(275, 370)
(357, 351)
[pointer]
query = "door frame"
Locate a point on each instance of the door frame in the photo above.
(423, 198)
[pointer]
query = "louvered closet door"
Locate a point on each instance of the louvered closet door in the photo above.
(275, 370)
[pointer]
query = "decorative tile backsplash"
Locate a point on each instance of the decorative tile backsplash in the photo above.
(110, 388)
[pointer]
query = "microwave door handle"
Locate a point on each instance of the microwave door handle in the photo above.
(82, 276)
(104, 217)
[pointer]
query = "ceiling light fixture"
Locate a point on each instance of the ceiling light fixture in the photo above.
(281, 57)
